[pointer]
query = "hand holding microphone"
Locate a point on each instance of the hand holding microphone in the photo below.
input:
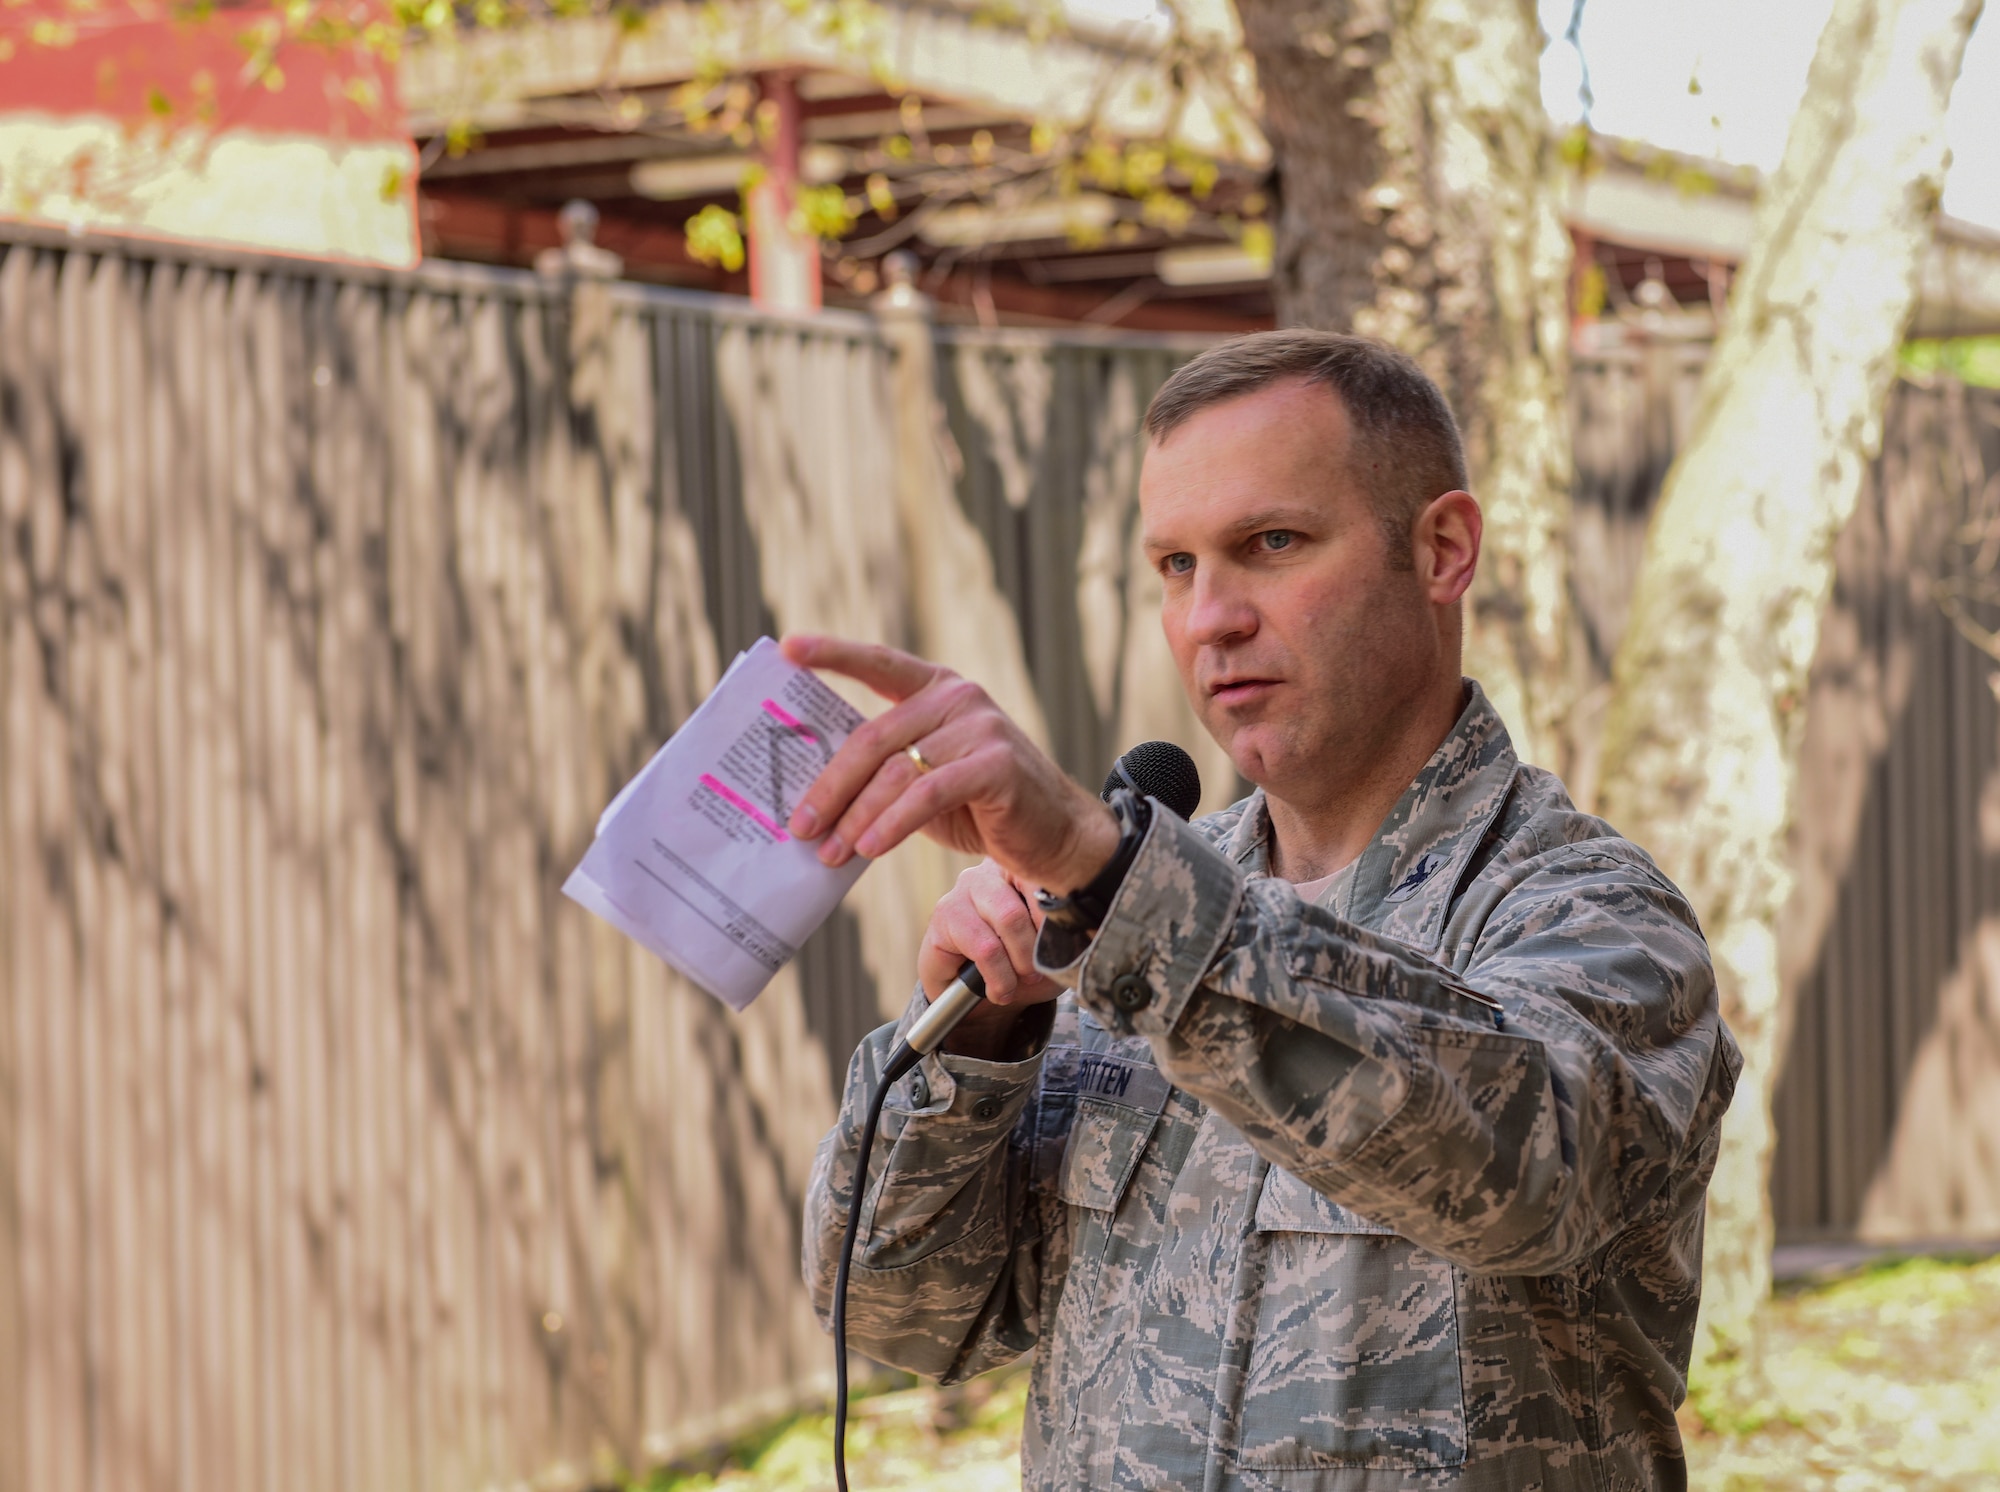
(981, 939)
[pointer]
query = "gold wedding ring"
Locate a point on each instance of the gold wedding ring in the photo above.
(922, 763)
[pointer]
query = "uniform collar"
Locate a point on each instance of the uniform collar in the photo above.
(1404, 880)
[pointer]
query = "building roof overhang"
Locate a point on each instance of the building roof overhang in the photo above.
(540, 99)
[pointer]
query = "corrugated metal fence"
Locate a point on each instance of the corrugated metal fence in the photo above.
(336, 1149)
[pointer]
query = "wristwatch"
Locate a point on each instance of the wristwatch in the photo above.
(1085, 908)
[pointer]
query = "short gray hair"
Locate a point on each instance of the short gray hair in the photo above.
(1406, 447)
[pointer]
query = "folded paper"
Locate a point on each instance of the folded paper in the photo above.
(692, 859)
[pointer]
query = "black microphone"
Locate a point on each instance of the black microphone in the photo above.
(1152, 769)
(1157, 769)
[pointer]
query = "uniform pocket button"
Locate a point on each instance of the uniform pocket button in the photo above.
(920, 1091)
(987, 1108)
(1130, 993)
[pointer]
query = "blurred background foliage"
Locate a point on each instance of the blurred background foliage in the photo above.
(1974, 360)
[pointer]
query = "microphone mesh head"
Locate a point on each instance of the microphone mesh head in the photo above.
(1158, 769)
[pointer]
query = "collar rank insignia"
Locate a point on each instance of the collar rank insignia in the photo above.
(1423, 871)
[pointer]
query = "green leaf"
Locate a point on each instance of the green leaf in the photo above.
(823, 211)
(715, 236)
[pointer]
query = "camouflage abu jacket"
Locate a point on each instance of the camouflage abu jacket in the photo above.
(1402, 1190)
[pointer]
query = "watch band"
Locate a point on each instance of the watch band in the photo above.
(1085, 908)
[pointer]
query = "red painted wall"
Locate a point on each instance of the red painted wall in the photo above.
(129, 55)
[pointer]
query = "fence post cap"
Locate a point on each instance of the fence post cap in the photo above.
(901, 297)
(580, 256)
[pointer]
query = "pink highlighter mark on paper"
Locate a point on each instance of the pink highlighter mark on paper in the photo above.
(790, 721)
(729, 794)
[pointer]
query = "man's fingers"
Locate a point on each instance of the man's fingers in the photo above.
(892, 674)
(927, 797)
(1000, 906)
(984, 917)
(936, 964)
(958, 932)
(890, 781)
(897, 774)
(870, 751)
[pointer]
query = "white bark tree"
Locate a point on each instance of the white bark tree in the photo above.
(1419, 202)
(1702, 739)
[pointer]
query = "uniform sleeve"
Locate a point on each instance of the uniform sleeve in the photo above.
(947, 1273)
(1516, 1139)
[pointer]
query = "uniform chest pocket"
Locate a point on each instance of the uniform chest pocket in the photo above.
(1105, 1142)
(1355, 1359)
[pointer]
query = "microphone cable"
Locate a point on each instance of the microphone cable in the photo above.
(926, 1036)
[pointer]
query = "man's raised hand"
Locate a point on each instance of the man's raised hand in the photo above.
(988, 790)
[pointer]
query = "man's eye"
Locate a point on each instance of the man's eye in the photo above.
(1278, 538)
(1179, 564)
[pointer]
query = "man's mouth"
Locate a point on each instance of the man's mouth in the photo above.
(1240, 691)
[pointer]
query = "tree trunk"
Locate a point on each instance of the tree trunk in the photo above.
(1702, 739)
(1419, 204)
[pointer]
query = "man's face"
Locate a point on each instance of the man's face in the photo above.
(1300, 642)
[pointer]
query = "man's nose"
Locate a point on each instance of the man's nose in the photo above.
(1219, 611)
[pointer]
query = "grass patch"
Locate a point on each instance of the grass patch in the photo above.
(1886, 1379)
(965, 1439)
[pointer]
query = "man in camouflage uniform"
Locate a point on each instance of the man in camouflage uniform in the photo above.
(1370, 1148)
